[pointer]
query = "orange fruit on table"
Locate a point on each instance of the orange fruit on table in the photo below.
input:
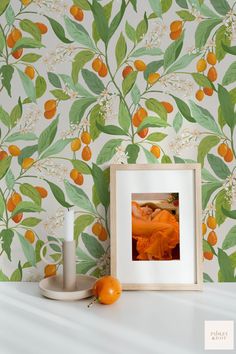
(3, 155)
(156, 151)
(199, 95)
(211, 222)
(42, 191)
(50, 104)
(107, 290)
(50, 114)
(86, 153)
(208, 255)
(17, 218)
(30, 236)
(75, 144)
(201, 65)
(208, 91)
(168, 106)
(27, 163)
(103, 71)
(211, 58)
(16, 34)
(42, 27)
(97, 64)
(176, 26)
(74, 174)
(17, 53)
(50, 270)
(143, 133)
(14, 150)
(10, 41)
(86, 138)
(212, 74)
(10, 205)
(212, 238)
(127, 70)
(222, 149)
(153, 78)
(16, 198)
(204, 228)
(97, 228)
(175, 35)
(30, 72)
(229, 155)
(140, 65)
(103, 235)
(79, 180)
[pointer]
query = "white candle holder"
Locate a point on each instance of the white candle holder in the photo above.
(69, 286)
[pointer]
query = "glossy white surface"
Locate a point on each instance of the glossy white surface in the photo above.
(141, 322)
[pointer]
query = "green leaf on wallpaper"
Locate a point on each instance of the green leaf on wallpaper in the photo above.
(78, 33)
(81, 58)
(61, 95)
(146, 52)
(124, 116)
(111, 129)
(149, 156)
(3, 277)
(31, 192)
(165, 5)
(58, 30)
(218, 166)
(17, 274)
(54, 79)
(172, 52)
(204, 118)
(166, 159)
(203, 31)
(152, 67)
(132, 151)
(154, 122)
(128, 82)
(95, 116)
(226, 269)
(134, 4)
(107, 11)
(207, 190)
(207, 278)
(58, 194)
(207, 247)
(207, 176)
(221, 201)
(26, 42)
(221, 6)
(130, 32)
(117, 19)
(156, 137)
(229, 213)
(47, 136)
(101, 185)
(83, 4)
(184, 109)
(6, 237)
(155, 106)
(206, 144)
(80, 224)
(221, 38)
(16, 114)
(142, 28)
(30, 57)
(185, 15)
(2, 203)
(4, 117)
(26, 207)
(3, 5)
(230, 239)
(82, 167)
(92, 245)
(2, 39)
(92, 81)
(227, 106)
(10, 15)
(120, 49)
(202, 80)
(177, 122)
(108, 151)
(56, 148)
(28, 250)
(6, 72)
(182, 62)
(230, 75)
(100, 20)
(82, 267)
(78, 197)
(156, 7)
(4, 166)
(230, 50)
(10, 179)
(30, 27)
(40, 86)
(27, 152)
(182, 3)
(78, 109)
(27, 85)
(30, 222)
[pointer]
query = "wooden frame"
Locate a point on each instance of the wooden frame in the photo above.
(196, 168)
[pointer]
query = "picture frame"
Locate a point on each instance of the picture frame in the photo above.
(154, 247)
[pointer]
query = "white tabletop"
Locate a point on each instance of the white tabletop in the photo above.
(140, 322)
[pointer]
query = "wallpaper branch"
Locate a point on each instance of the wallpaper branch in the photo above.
(86, 83)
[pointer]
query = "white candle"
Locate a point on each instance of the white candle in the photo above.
(69, 225)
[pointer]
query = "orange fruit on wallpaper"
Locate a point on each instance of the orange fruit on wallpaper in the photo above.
(199, 95)
(168, 106)
(50, 270)
(10, 205)
(17, 218)
(211, 58)
(143, 133)
(17, 53)
(156, 151)
(97, 228)
(50, 104)
(27, 163)
(229, 155)
(204, 228)
(153, 78)
(30, 236)
(75, 144)
(107, 290)
(30, 72)
(16, 198)
(212, 74)
(74, 174)
(138, 117)
(208, 91)
(86, 138)
(50, 114)
(86, 153)
(80, 15)
(103, 235)
(211, 222)
(3, 155)
(175, 35)
(42, 27)
(103, 71)
(97, 64)
(42, 191)
(16, 34)
(10, 41)
(26, 2)
(222, 149)
(14, 150)
(140, 65)
(208, 255)
(201, 65)
(80, 179)
(127, 70)
(176, 26)
(212, 238)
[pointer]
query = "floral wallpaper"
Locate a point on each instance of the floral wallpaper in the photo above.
(87, 83)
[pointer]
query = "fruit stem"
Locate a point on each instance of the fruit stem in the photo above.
(92, 302)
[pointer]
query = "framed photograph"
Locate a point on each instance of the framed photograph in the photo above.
(156, 226)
